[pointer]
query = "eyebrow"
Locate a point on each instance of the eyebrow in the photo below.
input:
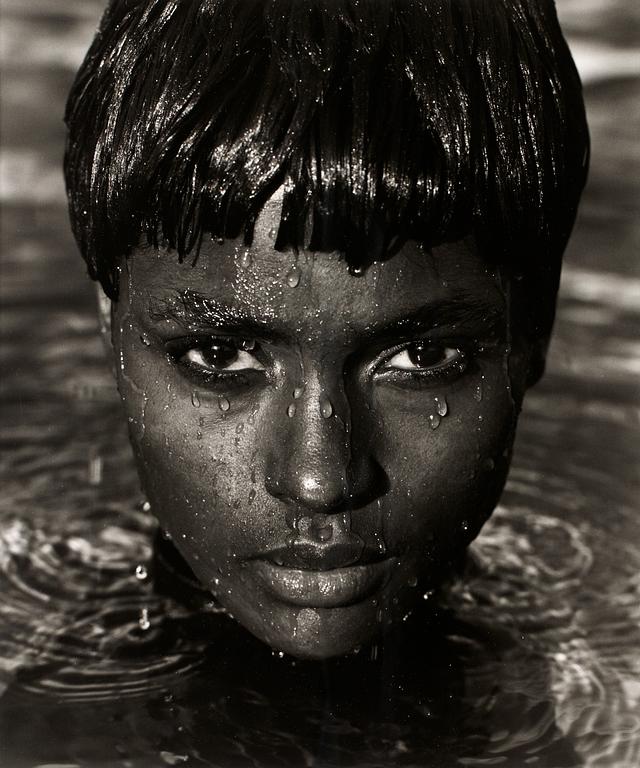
(195, 311)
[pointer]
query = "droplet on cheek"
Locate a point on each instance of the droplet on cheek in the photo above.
(145, 339)
(326, 409)
(434, 420)
(195, 399)
(297, 393)
(478, 393)
(293, 276)
(291, 410)
(223, 404)
(245, 259)
(441, 405)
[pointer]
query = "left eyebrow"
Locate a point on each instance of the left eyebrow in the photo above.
(464, 313)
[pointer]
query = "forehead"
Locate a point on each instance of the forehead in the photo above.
(288, 289)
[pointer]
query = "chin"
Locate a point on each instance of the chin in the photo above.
(317, 633)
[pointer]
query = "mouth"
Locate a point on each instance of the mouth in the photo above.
(322, 577)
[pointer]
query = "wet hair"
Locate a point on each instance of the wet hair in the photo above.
(385, 120)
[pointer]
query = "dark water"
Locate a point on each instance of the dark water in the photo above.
(532, 658)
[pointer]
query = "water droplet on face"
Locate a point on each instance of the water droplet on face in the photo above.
(326, 409)
(464, 525)
(223, 404)
(248, 344)
(239, 429)
(478, 393)
(413, 581)
(252, 495)
(141, 572)
(195, 399)
(245, 259)
(145, 339)
(272, 233)
(441, 405)
(434, 420)
(143, 621)
(356, 271)
(291, 410)
(293, 276)
(146, 507)
(166, 535)
(198, 435)
(297, 393)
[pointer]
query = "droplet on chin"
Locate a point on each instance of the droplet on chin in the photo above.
(293, 276)
(326, 409)
(434, 420)
(441, 405)
(195, 399)
(223, 404)
(291, 410)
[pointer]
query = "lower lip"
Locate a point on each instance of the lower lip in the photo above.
(323, 589)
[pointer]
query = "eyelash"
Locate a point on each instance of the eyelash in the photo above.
(418, 378)
(238, 378)
(179, 348)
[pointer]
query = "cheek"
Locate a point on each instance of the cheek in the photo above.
(447, 454)
(196, 458)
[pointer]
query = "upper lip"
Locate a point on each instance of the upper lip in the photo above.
(311, 557)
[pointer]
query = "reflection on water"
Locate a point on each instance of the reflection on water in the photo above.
(531, 659)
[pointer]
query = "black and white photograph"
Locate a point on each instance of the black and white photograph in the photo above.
(320, 383)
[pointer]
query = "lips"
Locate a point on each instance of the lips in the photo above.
(322, 576)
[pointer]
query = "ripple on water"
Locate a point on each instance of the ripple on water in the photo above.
(72, 600)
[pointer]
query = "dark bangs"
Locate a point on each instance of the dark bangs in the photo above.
(385, 120)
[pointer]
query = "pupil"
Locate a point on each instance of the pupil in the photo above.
(424, 356)
(220, 355)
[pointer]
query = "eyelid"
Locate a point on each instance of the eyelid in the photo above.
(231, 367)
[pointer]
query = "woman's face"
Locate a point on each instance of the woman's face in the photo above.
(319, 445)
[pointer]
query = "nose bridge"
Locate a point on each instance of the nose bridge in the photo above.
(309, 463)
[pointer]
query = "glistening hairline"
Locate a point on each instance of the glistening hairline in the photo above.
(385, 121)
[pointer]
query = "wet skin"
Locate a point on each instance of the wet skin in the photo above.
(320, 446)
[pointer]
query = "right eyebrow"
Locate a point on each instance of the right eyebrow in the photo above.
(194, 311)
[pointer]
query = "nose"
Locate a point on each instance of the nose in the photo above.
(311, 462)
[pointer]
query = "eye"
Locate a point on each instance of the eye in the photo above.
(423, 357)
(221, 356)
